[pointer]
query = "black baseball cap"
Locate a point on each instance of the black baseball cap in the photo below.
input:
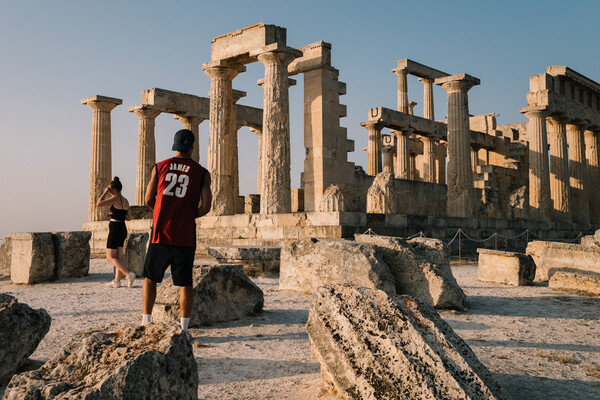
(183, 141)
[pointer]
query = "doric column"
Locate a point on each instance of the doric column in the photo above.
(580, 209)
(193, 124)
(460, 175)
(592, 143)
(429, 162)
(260, 162)
(440, 162)
(413, 167)
(411, 107)
(560, 191)
(475, 157)
(275, 193)
(232, 144)
(402, 89)
(100, 157)
(220, 136)
(427, 98)
(146, 149)
(374, 147)
(403, 165)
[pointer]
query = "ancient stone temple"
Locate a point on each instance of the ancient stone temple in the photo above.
(422, 174)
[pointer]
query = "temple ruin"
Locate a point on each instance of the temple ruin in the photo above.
(422, 174)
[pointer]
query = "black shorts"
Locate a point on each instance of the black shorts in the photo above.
(161, 256)
(117, 233)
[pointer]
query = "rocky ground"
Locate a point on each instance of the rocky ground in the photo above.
(538, 343)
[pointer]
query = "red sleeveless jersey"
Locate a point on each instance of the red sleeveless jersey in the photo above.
(177, 199)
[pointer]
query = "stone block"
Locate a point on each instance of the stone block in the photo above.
(152, 362)
(252, 204)
(5, 256)
(374, 346)
(32, 258)
(23, 328)
(134, 250)
(221, 293)
(505, 267)
(140, 212)
(256, 260)
(550, 257)
(332, 200)
(586, 283)
(381, 197)
(246, 40)
(72, 254)
(297, 200)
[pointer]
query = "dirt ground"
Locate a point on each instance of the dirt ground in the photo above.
(538, 343)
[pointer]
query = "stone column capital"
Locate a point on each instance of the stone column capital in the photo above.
(556, 119)
(404, 132)
(257, 131)
(460, 83)
(535, 113)
(373, 125)
(189, 119)
(222, 71)
(400, 71)
(426, 80)
(101, 103)
(145, 111)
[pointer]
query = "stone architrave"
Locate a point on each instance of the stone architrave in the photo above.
(402, 89)
(276, 168)
(193, 124)
(152, 362)
(32, 258)
(427, 98)
(222, 293)
(580, 208)
(146, 151)
(100, 160)
(23, 328)
(374, 346)
(460, 175)
(5, 256)
(221, 135)
(302, 266)
(381, 198)
(72, 254)
(135, 252)
(560, 189)
(592, 144)
(332, 200)
(402, 168)
(505, 267)
(374, 148)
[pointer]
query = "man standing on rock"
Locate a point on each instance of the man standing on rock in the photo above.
(178, 192)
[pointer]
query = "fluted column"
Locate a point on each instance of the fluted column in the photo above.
(275, 193)
(374, 147)
(560, 191)
(232, 144)
(260, 162)
(219, 137)
(475, 158)
(146, 149)
(429, 156)
(460, 175)
(592, 143)
(100, 155)
(427, 98)
(388, 159)
(440, 162)
(193, 124)
(578, 170)
(403, 166)
(413, 167)
(411, 107)
(402, 89)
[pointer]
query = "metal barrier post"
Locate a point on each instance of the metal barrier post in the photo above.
(459, 246)
(495, 242)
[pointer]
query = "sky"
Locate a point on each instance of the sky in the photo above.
(54, 53)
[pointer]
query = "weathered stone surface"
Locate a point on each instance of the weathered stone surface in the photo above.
(491, 203)
(374, 346)
(256, 260)
(380, 197)
(135, 252)
(422, 271)
(140, 212)
(72, 254)
(5, 256)
(592, 240)
(505, 267)
(332, 200)
(309, 263)
(550, 257)
(152, 362)
(22, 329)
(32, 258)
(252, 204)
(221, 293)
(586, 283)
(518, 202)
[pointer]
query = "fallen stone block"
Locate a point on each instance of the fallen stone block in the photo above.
(134, 252)
(586, 283)
(72, 254)
(256, 260)
(5, 256)
(32, 259)
(550, 257)
(374, 346)
(152, 362)
(421, 269)
(309, 263)
(505, 267)
(221, 293)
(21, 330)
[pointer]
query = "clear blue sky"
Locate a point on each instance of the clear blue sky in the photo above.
(54, 53)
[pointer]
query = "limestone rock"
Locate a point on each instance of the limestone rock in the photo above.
(153, 362)
(505, 267)
(309, 263)
(422, 271)
(332, 200)
(5, 256)
(518, 202)
(586, 283)
(256, 260)
(491, 204)
(140, 212)
(21, 330)
(550, 257)
(380, 197)
(374, 346)
(221, 293)
(135, 252)
(72, 254)
(32, 258)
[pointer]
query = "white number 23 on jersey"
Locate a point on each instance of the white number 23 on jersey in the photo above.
(179, 183)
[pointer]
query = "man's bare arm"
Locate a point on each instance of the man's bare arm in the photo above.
(205, 197)
(150, 197)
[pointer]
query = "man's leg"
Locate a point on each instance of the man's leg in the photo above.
(186, 300)
(148, 297)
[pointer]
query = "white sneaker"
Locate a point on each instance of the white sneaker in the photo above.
(130, 279)
(114, 284)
